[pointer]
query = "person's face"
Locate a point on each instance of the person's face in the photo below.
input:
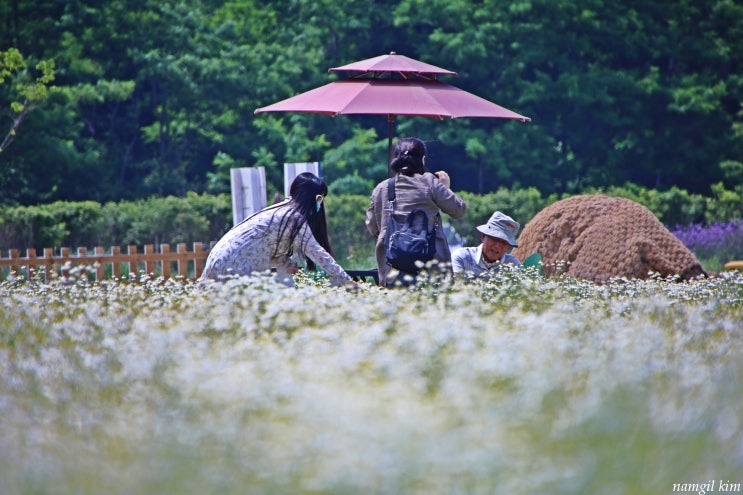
(493, 248)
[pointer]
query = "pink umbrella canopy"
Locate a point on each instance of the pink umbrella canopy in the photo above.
(415, 97)
(410, 88)
(395, 64)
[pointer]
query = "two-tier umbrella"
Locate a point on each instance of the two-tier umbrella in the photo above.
(392, 85)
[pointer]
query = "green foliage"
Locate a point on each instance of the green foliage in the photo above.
(733, 170)
(672, 207)
(219, 181)
(646, 92)
(352, 243)
(724, 205)
(520, 204)
(679, 207)
(194, 218)
(26, 92)
(31, 227)
(11, 61)
(362, 156)
(150, 93)
(352, 184)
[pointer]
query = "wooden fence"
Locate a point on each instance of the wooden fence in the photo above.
(164, 262)
(114, 263)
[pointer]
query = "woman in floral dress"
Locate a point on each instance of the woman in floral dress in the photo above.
(279, 237)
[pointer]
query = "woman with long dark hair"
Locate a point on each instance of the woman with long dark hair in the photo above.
(414, 188)
(278, 236)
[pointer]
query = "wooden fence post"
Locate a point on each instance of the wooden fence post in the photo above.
(182, 263)
(31, 267)
(149, 266)
(100, 269)
(65, 268)
(165, 250)
(133, 265)
(49, 270)
(198, 263)
(13, 254)
(116, 263)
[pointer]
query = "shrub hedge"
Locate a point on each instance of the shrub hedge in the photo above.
(194, 218)
(205, 217)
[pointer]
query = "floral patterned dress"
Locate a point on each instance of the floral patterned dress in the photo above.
(255, 246)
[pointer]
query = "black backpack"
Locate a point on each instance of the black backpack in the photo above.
(409, 241)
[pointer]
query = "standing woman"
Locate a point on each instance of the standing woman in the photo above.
(278, 236)
(414, 188)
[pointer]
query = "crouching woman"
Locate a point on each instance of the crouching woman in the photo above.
(278, 236)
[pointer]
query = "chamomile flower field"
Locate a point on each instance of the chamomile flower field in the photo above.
(510, 386)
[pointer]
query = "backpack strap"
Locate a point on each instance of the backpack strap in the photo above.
(391, 199)
(391, 194)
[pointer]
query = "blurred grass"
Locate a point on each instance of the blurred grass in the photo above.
(515, 385)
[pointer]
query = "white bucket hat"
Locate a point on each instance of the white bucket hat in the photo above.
(501, 226)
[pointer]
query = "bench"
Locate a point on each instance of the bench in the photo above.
(363, 275)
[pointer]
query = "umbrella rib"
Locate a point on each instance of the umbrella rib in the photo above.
(403, 74)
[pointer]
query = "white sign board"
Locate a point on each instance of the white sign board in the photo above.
(291, 170)
(248, 192)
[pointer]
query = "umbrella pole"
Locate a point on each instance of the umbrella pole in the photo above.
(390, 127)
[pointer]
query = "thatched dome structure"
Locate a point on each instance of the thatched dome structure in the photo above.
(597, 237)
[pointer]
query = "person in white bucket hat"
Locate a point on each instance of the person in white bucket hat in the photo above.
(497, 236)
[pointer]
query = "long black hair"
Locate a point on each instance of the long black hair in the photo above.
(302, 204)
(303, 194)
(407, 157)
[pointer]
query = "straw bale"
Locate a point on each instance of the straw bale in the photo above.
(597, 237)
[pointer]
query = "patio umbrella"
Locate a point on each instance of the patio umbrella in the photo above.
(392, 85)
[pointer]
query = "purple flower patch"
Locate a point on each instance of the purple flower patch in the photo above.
(720, 240)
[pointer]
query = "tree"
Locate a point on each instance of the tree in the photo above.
(640, 91)
(28, 94)
(157, 97)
